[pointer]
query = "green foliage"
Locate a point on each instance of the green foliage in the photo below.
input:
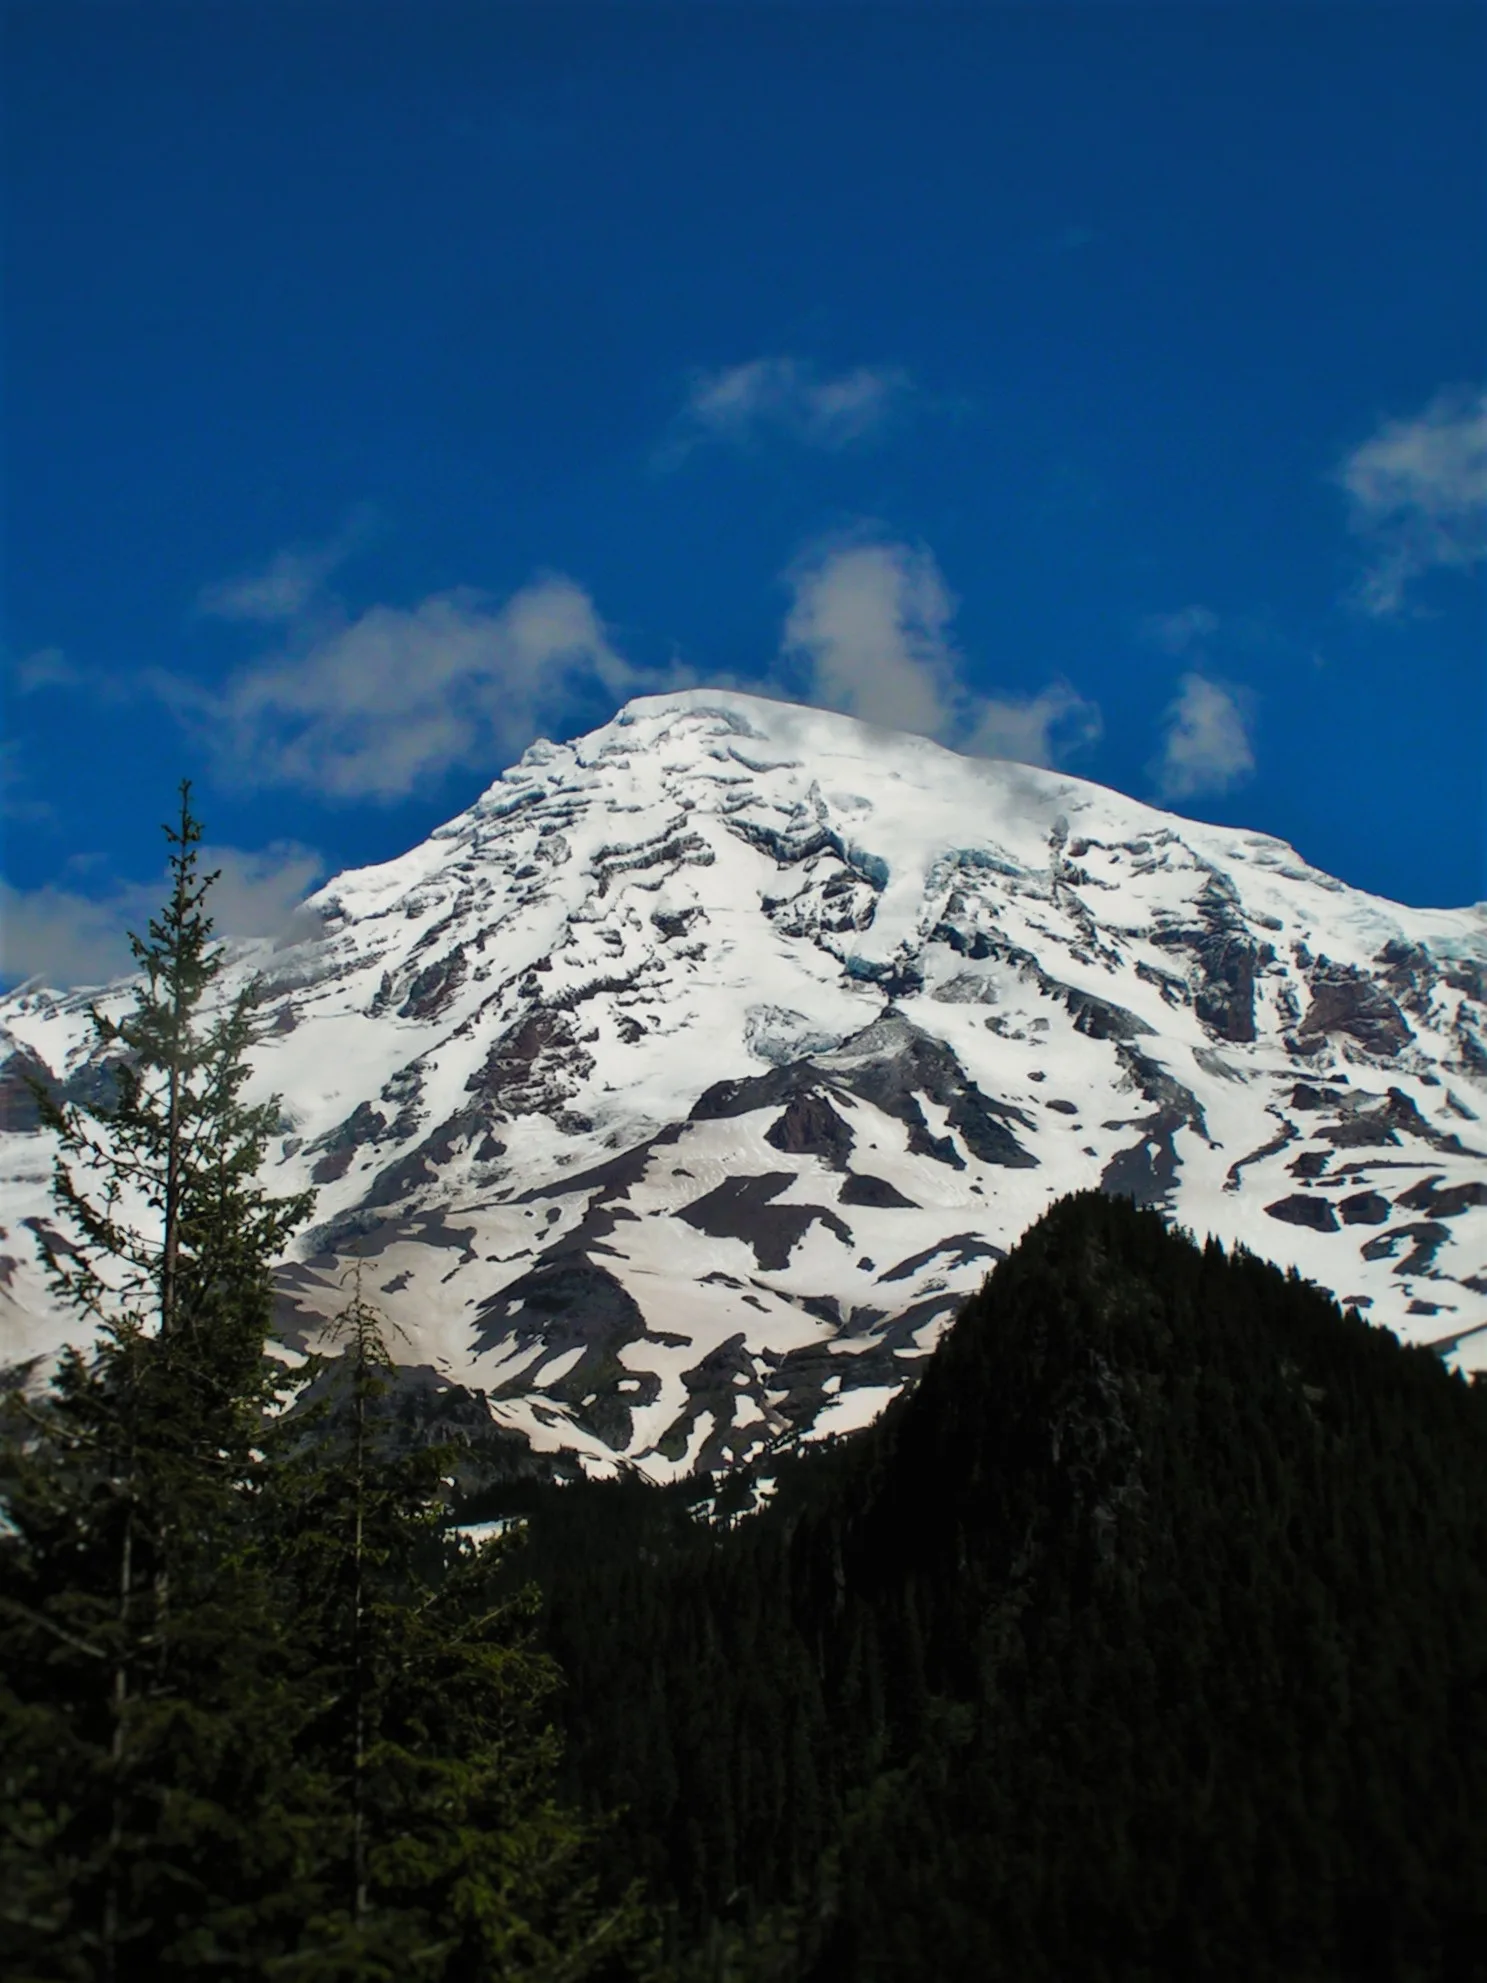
(440, 1850)
(143, 1708)
(258, 1714)
(168, 1228)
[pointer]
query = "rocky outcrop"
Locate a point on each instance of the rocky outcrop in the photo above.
(365, 1125)
(726, 1379)
(22, 1072)
(892, 1064)
(743, 1208)
(1303, 1209)
(863, 1189)
(1449, 1203)
(1147, 1171)
(1344, 1001)
(1224, 959)
(810, 1126)
(1101, 1018)
(535, 1068)
(565, 1305)
(1364, 1208)
(432, 988)
(1425, 1238)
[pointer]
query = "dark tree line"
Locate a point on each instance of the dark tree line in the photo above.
(1147, 1639)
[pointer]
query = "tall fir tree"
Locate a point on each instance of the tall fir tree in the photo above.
(259, 1712)
(137, 1623)
(441, 1850)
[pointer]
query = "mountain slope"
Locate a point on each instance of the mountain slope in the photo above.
(677, 1092)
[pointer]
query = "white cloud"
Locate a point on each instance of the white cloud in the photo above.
(1038, 729)
(869, 633)
(1207, 747)
(381, 703)
(64, 938)
(1417, 490)
(291, 580)
(258, 894)
(869, 622)
(59, 938)
(281, 591)
(1178, 633)
(788, 396)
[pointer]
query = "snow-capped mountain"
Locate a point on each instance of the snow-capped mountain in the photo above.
(674, 1094)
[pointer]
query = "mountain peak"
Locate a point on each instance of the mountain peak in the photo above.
(938, 991)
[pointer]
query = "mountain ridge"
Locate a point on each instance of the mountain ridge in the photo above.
(677, 1091)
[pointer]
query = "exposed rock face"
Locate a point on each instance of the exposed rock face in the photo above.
(898, 1068)
(810, 1126)
(1424, 1238)
(365, 1125)
(675, 1094)
(1224, 959)
(876, 1191)
(1299, 1210)
(1365, 1208)
(535, 1068)
(1225, 998)
(1099, 1019)
(1448, 1203)
(575, 1318)
(20, 1068)
(431, 989)
(1343, 1000)
(742, 1208)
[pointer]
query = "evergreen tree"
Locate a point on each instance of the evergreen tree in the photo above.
(440, 1849)
(259, 1712)
(137, 1625)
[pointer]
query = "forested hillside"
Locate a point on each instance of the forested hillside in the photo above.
(1146, 1639)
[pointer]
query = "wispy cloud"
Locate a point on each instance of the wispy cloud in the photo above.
(789, 396)
(1417, 492)
(259, 893)
(1045, 728)
(47, 668)
(62, 937)
(368, 707)
(1207, 745)
(285, 587)
(1179, 632)
(377, 705)
(33, 674)
(868, 633)
(18, 798)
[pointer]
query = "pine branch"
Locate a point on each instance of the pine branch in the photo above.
(18, 1610)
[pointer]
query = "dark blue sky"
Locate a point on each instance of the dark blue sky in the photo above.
(383, 384)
